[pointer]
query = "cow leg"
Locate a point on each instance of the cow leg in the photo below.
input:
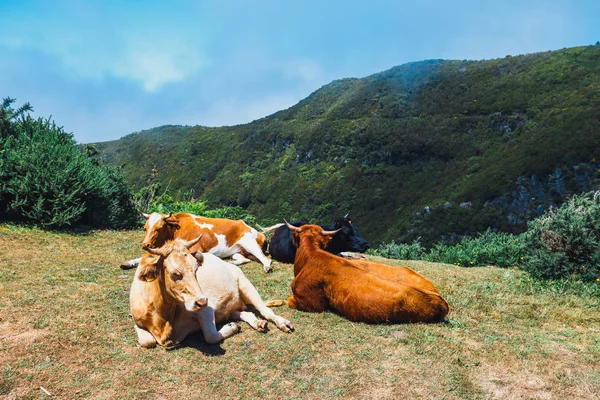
(239, 259)
(316, 303)
(131, 263)
(248, 317)
(209, 328)
(145, 338)
(249, 244)
(250, 296)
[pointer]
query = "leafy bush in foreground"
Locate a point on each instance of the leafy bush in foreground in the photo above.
(566, 241)
(46, 179)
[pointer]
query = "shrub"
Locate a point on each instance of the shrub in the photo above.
(400, 251)
(488, 248)
(565, 242)
(46, 179)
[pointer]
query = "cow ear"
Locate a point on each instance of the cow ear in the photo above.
(172, 220)
(149, 268)
(199, 257)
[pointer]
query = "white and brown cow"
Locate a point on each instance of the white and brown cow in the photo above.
(224, 238)
(176, 292)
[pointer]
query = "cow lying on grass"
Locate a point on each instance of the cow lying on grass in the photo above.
(222, 237)
(282, 248)
(176, 292)
(358, 290)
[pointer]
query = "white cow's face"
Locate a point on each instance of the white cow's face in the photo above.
(176, 267)
(180, 279)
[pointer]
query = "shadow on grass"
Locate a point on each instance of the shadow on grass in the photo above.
(196, 341)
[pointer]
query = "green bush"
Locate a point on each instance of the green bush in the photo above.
(400, 251)
(46, 179)
(489, 248)
(565, 242)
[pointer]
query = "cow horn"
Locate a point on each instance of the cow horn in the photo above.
(144, 214)
(271, 228)
(292, 227)
(346, 216)
(161, 251)
(168, 216)
(192, 242)
(330, 233)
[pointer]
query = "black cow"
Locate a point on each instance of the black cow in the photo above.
(282, 248)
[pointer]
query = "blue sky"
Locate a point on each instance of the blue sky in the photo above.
(104, 69)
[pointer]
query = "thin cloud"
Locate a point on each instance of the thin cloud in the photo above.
(105, 69)
(154, 65)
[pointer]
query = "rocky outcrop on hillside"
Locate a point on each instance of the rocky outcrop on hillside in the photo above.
(533, 195)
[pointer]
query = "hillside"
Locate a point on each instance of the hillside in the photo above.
(507, 137)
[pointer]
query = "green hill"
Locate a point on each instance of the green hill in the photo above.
(507, 137)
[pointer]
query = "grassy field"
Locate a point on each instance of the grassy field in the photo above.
(64, 326)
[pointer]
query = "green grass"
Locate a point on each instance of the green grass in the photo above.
(64, 325)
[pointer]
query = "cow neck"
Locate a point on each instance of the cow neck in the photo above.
(165, 236)
(164, 306)
(307, 249)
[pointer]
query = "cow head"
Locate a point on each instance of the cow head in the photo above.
(159, 228)
(314, 234)
(175, 268)
(348, 239)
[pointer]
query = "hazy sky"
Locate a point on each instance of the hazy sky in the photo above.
(104, 69)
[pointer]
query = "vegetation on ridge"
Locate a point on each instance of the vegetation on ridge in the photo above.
(487, 133)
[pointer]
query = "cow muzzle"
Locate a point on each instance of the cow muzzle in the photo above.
(361, 246)
(197, 304)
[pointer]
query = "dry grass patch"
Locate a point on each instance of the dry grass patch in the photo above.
(64, 325)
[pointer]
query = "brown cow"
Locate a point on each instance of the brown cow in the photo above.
(222, 237)
(358, 290)
(175, 293)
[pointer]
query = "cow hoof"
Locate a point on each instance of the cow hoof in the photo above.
(234, 327)
(262, 326)
(286, 326)
(127, 266)
(268, 269)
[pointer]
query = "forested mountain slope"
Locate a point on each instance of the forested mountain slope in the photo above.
(506, 137)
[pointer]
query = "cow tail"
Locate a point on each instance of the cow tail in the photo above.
(275, 303)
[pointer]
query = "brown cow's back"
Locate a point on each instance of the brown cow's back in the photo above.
(364, 296)
(360, 290)
(402, 274)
